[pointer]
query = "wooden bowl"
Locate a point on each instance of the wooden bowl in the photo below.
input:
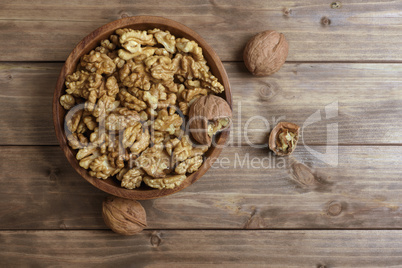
(89, 43)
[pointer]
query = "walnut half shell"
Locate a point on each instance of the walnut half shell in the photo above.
(283, 138)
(207, 116)
(124, 216)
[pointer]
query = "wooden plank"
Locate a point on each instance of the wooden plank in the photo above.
(222, 248)
(26, 103)
(364, 98)
(357, 31)
(247, 188)
(354, 102)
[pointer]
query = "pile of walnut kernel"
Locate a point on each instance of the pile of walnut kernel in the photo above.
(135, 90)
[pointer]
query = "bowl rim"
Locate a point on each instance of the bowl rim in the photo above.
(88, 43)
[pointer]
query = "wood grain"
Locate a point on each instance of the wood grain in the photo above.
(367, 97)
(222, 248)
(245, 189)
(26, 103)
(43, 31)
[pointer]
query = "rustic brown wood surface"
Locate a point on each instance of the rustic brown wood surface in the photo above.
(295, 193)
(367, 95)
(202, 248)
(356, 30)
(336, 202)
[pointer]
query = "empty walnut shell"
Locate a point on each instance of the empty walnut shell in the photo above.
(207, 116)
(124, 216)
(265, 53)
(283, 138)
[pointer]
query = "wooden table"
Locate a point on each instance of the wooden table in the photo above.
(336, 202)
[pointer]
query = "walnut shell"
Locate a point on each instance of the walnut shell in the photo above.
(123, 216)
(265, 53)
(208, 115)
(283, 138)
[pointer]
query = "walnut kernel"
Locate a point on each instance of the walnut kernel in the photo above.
(283, 138)
(137, 88)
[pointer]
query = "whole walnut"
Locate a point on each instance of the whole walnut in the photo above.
(265, 53)
(124, 216)
(207, 116)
